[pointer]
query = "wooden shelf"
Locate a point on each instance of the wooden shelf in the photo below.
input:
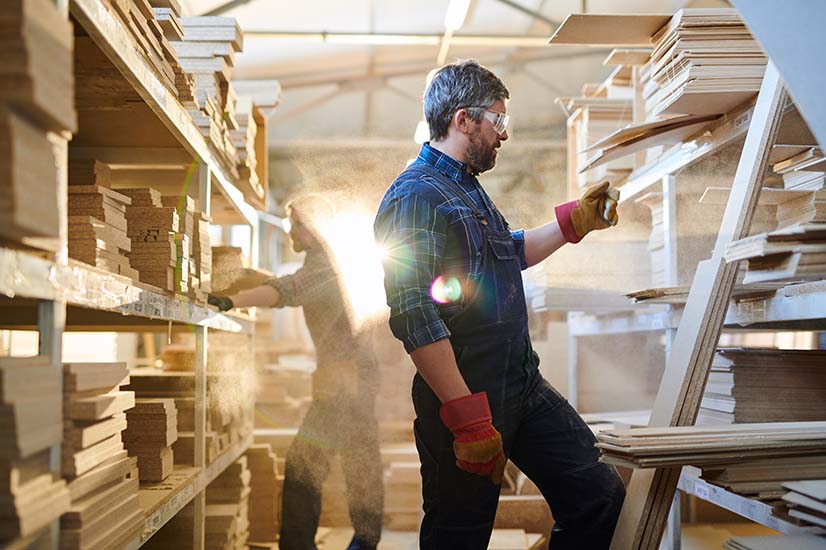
(112, 300)
(112, 39)
(161, 501)
(748, 508)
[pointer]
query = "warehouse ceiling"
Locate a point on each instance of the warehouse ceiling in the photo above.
(352, 85)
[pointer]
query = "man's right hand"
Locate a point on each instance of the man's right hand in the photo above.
(477, 445)
(221, 302)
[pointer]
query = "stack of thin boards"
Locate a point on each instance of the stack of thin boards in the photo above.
(202, 254)
(705, 61)
(243, 139)
(704, 445)
(104, 481)
(795, 253)
(787, 542)
(186, 275)
(152, 428)
(741, 379)
(151, 227)
(805, 502)
(805, 171)
(36, 96)
(265, 493)
(97, 219)
(180, 386)
(227, 508)
(32, 496)
(763, 479)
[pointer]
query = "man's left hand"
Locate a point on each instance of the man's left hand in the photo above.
(595, 209)
(223, 303)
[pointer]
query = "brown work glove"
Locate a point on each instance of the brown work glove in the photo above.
(476, 443)
(595, 209)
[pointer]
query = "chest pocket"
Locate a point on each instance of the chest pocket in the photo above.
(503, 247)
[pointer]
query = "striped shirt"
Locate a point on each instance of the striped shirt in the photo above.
(427, 232)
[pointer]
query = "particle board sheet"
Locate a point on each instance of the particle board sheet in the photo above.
(805, 502)
(30, 496)
(152, 430)
(794, 253)
(764, 478)
(82, 377)
(609, 30)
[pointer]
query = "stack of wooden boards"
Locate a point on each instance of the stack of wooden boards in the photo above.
(805, 502)
(283, 396)
(227, 508)
(741, 380)
(794, 253)
(703, 445)
(103, 480)
(705, 62)
(805, 171)
(763, 479)
(97, 220)
(265, 493)
(30, 413)
(36, 97)
(151, 431)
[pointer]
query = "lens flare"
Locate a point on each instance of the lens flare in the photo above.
(446, 290)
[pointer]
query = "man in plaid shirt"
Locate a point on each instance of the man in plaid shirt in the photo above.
(341, 417)
(454, 287)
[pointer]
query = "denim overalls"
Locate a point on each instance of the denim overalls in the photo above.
(541, 432)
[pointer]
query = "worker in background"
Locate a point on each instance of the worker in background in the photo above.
(454, 287)
(341, 418)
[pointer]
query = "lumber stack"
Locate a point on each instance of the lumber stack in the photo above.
(795, 253)
(151, 229)
(763, 479)
(202, 253)
(702, 445)
(152, 428)
(265, 493)
(36, 97)
(805, 502)
(227, 508)
(704, 62)
(805, 171)
(103, 479)
(32, 496)
(283, 396)
(244, 140)
(741, 379)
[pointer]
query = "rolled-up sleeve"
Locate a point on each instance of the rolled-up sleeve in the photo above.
(519, 244)
(412, 234)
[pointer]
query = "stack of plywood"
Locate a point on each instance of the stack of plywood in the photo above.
(36, 96)
(804, 171)
(104, 481)
(265, 493)
(740, 379)
(244, 141)
(795, 253)
(764, 479)
(806, 502)
(704, 62)
(151, 228)
(30, 414)
(152, 428)
(202, 253)
(227, 509)
(703, 445)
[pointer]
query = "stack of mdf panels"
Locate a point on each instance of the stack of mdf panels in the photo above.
(104, 481)
(764, 479)
(795, 253)
(227, 508)
(243, 139)
(765, 385)
(30, 415)
(704, 62)
(704, 445)
(265, 493)
(805, 171)
(152, 428)
(167, 14)
(783, 542)
(151, 228)
(808, 207)
(805, 502)
(185, 274)
(202, 254)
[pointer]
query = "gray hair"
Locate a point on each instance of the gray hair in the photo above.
(456, 86)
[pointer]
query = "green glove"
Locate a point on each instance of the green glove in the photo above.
(221, 302)
(595, 209)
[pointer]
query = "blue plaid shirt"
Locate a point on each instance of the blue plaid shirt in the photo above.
(428, 231)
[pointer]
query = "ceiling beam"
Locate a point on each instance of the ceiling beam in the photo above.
(226, 6)
(400, 39)
(535, 14)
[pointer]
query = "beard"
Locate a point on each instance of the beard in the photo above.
(481, 157)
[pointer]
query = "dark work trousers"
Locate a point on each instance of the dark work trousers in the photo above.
(345, 425)
(541, 433)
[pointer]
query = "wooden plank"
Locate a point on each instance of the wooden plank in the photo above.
(650, 493)
(609, 30)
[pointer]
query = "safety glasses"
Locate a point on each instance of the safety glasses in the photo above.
(498, 120)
